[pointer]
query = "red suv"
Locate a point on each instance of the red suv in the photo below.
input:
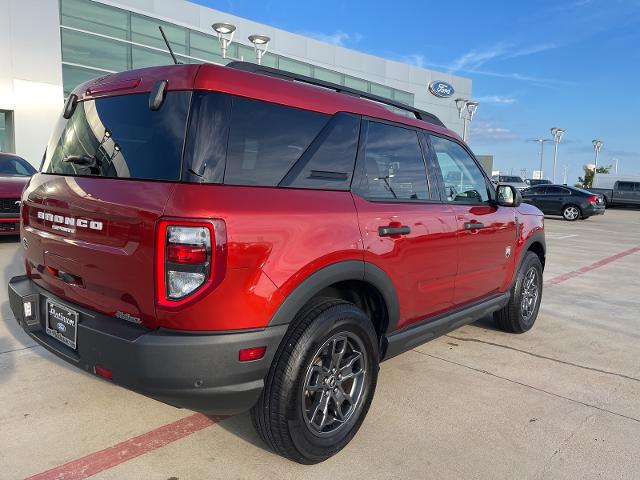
(233, 238)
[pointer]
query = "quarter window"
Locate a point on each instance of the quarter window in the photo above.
(463, 180)
(266, 139)
(393, 164)
(328, 162)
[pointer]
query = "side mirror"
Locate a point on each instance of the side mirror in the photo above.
(508, 196)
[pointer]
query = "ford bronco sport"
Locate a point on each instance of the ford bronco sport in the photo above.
(233, 238)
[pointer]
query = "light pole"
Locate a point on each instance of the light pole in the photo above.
(597, 145)
(224, 32)
(615, 160)
(541, 142)
(566, 171)
(260, 45)
(557, 136)
(466, 111)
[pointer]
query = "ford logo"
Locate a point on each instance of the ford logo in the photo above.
(61, 327)
(441, 89)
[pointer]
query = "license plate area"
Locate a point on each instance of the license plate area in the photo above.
(61, 323)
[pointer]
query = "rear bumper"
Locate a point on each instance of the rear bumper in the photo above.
(591, 210)
(196, 371)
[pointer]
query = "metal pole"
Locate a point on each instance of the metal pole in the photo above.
(566, 168)
(541, 155)
(596, 160)
(555, 156)
(616, 164)
(464, 128)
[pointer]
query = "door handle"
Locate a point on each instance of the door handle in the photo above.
(473, 225)
(393, 231)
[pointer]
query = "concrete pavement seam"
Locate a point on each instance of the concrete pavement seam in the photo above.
(19, 349)
(543, 357)
(479, 370)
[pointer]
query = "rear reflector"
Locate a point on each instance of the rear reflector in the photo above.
(254, 353)
(187, 253)
(103, 372)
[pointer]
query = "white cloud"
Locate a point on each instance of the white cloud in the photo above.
(483, 131)
(476, 58)
(499, 99)
(532, 49)
(338, 37)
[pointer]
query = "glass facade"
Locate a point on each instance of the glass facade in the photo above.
(6, 131)
(99, 39)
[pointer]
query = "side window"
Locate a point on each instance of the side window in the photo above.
(535, 190)
(329, 160)
(463, 180)
(393, 164)
(557, 191)
(266, 139)
(624, 186)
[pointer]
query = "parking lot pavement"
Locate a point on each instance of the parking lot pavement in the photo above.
(558, 402)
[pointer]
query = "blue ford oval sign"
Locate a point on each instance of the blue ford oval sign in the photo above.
(441, 89)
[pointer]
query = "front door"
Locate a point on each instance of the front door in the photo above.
(406, 230)
(486, 232)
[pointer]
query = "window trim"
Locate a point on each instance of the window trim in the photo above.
(359, 172)
(438, 172)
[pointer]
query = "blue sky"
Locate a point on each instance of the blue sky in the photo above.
(573, 64)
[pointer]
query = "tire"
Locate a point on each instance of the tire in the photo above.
(518, 316)
(571, 213)
(289, 415)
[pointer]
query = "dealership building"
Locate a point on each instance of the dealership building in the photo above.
(47, 47)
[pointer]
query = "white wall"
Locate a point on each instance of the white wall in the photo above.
(31, 71)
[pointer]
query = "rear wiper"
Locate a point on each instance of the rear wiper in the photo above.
(83, 160)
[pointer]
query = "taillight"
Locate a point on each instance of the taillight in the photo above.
(593, 199)
(187, 259)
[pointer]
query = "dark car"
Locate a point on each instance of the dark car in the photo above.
(570, 202)
(532, 182)
(173, 244)
(14, 174)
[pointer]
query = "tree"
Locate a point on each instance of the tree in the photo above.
(587, 180)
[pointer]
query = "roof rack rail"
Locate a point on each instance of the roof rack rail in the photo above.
(274, 72)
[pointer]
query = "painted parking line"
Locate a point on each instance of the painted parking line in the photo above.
(581, 271)
(559, 236)
(122, 452)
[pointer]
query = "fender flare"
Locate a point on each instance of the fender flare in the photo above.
(339, 272)
(535, 237)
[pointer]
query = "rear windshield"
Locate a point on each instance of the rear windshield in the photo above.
(121, 137)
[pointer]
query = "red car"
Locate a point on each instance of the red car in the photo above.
(233, 238)
(14, 175)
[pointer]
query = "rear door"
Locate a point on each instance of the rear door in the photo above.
(534, 195)
(486, 233)
(406, 230)
(555, 198)
(89, 219)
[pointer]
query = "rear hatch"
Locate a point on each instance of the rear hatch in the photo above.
(90, 216)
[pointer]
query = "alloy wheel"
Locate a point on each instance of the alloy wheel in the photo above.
(334, 384)
(530, 292)
(571, 213)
